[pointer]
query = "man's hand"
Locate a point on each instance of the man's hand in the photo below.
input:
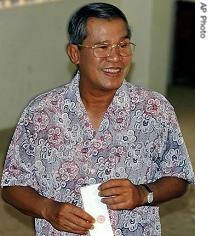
(121, 194)
(62, 216)
(69, 218)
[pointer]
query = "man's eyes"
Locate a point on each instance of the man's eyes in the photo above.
(124, 45)
(106, 46)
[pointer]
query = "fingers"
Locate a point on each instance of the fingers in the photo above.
(119, 194)
(81, 214)
(115, 187)
(113, 183)
(114, 202)
(81, 221)
(120, 202)
(78, 227)
(70, 218)
(73, 228)
(111, 192)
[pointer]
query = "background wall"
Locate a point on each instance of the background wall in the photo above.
(33, 41)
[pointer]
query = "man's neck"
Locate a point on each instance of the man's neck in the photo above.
(96, 105)
(95, 97)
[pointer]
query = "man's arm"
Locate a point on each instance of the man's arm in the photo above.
(62, 216)
(123, 194)
(167, 188)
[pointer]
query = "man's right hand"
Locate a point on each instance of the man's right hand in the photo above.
(62, 216)
(67, 217)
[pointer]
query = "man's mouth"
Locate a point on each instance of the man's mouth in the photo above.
(112, 70)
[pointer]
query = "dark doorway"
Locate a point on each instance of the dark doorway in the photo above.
(183, 72)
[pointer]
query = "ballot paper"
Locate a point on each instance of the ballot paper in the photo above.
(93, 205)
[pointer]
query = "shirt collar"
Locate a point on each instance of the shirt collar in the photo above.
(120, 98)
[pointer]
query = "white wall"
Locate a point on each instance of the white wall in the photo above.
(33, 59)
(153, 26)
(161, 41)
(139, 17)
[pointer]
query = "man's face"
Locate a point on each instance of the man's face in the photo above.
(103, 74)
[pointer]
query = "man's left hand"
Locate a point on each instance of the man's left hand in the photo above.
(121, 194)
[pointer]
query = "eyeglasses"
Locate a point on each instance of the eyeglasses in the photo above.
(125, 49)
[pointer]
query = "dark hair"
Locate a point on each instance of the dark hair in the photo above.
(77, 24)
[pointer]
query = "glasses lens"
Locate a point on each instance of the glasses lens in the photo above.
(124, 49)
(101, 51)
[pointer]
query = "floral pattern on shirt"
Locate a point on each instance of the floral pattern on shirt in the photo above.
(56, 151)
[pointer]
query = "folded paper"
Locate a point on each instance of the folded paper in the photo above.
(93, 205)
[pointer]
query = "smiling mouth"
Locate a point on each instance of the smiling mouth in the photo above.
(112, 70)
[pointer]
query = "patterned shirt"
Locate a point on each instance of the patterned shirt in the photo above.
(56, 151)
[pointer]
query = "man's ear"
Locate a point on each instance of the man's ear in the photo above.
(73, 53)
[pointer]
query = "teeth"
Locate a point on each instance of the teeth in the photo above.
(112, 70)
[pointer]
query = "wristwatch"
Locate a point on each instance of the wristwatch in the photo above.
(150, 196)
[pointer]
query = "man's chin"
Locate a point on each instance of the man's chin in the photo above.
(114, 85)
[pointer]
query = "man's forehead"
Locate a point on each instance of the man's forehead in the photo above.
(101, 27)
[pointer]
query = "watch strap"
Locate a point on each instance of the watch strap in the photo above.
(147, 188)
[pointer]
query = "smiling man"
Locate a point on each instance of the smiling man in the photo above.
(108, 51)
(98, 129)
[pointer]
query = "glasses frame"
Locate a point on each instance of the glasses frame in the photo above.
(109, 46)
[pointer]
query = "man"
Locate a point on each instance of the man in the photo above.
(97, 129)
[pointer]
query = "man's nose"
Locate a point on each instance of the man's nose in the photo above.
(114, 53)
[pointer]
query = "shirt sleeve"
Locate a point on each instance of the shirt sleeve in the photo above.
(174, 159)
(19, 162)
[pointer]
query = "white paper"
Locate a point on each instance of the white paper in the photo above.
(93, 205)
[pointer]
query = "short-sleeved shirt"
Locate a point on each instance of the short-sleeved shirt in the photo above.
(56, 151)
